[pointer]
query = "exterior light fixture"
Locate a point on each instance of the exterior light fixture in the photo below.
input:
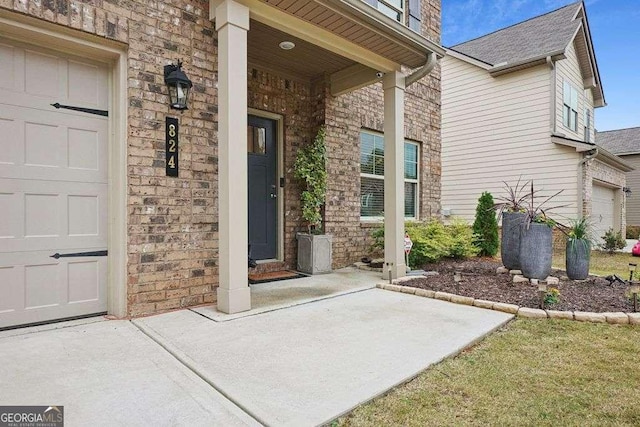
(457, 278)
(287, 45)
(634, 288)
(178, 84)
(542, 290)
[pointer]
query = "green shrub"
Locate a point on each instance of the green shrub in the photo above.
(433, 241)
(552, 296)
(633, 232)
(613, 240)
(377, 235)
(429, 242)
(485, 227)
(462, 238)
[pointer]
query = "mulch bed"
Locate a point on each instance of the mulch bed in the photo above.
(480, 281)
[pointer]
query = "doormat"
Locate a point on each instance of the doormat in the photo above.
(274, 276)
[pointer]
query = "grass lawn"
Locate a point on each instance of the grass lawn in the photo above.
(603, 264)
(529, 373)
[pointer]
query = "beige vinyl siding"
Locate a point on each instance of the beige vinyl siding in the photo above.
(569, 70)
(589, 104)
(633, 182)
(498, 129)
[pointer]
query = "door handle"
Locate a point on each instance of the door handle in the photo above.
(274, 196)
(80, 254)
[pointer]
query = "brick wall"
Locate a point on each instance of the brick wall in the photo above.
(172, 222)
(346, 116)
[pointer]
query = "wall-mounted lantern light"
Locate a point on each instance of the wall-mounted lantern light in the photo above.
(178, 84)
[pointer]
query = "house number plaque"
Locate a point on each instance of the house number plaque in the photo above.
(172, 146)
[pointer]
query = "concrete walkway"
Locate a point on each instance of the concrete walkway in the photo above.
(277, 295)
(629, 245)
(304, 365)
(107, 373)
(308, 364)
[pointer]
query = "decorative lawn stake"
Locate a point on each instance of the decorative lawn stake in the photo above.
(542, 290)
(408, 244)
(632, 269)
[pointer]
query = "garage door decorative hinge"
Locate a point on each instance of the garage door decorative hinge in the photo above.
(82, 109)
(79, 254)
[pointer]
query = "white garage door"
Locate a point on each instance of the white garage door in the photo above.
(602, 208)
(53, 186)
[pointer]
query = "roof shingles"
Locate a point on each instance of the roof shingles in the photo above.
(537, 37)
(620, 141)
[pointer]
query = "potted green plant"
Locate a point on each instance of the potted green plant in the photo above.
(536, 240)
(310, 168)
(578, 248)
(512, 208)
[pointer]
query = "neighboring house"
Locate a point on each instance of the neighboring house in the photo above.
(266, 76)
(625, 143)
(518, 103)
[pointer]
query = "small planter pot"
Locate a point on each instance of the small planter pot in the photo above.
(510, 242)
(536, 251)
(578, 255)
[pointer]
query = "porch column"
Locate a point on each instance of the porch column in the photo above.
(232, 24)
(393, 84)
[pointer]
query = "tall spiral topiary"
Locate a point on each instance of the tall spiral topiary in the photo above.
(485, 226)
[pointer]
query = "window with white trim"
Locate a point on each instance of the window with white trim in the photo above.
(570, 107)
(394, 9)
(587, 125)
(372, 177)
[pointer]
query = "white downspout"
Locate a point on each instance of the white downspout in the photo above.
(590, 156)
(432, 60)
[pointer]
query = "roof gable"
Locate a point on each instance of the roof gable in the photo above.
(547, 34)
(531, 42)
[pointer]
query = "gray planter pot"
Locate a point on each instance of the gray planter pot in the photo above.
(510, 242)
(314, 253)
(578, 255)
(536, 251)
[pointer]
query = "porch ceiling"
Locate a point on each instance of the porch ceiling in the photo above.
(348, 28)
(363, 25)
(305, 60)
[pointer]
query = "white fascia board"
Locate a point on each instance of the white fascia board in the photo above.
(461, 56)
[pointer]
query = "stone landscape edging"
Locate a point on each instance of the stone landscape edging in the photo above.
(615, 318)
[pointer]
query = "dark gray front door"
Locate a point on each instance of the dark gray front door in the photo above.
(263, 189)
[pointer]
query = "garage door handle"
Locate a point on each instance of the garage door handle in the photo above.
(105, 113)
(79, 254)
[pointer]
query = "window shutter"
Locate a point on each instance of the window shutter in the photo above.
(414, 15)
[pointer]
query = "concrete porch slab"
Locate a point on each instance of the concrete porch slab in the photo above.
(107, 373)
(281, 294)
(311, 363)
